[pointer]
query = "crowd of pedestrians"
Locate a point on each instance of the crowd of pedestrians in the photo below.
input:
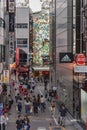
(29, 102)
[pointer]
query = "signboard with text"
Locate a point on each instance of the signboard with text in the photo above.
(80, 69)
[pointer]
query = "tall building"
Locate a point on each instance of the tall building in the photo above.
(62, 44)
(2, 35)
(2, 31)
(83, 76)
(41, 32)
(69, 23)
(22, 33)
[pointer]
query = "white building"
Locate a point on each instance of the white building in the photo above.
(22, 31)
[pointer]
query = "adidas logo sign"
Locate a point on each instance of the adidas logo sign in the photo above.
(66, 58)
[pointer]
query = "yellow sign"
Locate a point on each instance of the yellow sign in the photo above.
(6, 76)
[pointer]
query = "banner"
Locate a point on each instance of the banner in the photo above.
(17, 56)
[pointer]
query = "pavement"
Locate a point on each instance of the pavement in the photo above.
(71, 123)
(43, 120)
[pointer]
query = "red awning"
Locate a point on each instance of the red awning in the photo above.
(22, 69)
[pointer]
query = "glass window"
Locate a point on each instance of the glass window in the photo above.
(22, 25)
(22, 42)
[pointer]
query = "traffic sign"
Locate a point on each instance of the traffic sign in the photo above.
(80, 59)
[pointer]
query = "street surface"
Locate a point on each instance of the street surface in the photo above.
(42, 120)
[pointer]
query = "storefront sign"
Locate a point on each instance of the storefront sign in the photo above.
(80, 59)
(11, 6)
(80, 69)
(6, 76)
(65, 57)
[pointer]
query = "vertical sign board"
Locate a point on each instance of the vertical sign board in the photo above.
(17, 56)
(6, 76)
(11, 10)
(11, 6)
(1, 109)
(11, 22)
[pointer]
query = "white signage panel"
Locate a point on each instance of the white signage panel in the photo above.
(11, 6)
(6, 76)
(80, 69)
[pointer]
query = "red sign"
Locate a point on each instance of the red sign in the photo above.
(80, 59)
(17, 55)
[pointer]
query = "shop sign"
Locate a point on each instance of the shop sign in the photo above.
(6, 76)
(65, 57)
(11, 6)
(80, 69)
(80, 59)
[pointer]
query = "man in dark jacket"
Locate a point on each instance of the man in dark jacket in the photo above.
(62, 115)
(19, 123)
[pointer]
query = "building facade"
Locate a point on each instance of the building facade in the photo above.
(22, 32)
(68, 22)
(83, 92)
(2, 31)
(64, 44)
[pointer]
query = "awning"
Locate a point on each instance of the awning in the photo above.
(22, 69)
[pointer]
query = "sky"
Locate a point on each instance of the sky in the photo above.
(35, 5)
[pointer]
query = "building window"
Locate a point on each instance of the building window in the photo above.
(21, 25)
(23, 58)
(21, 42)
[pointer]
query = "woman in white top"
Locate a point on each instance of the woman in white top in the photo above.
(3, 121)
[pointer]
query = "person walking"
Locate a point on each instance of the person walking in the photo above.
(19, 105)
(35, 106)
(26, 125)
(3, 121)
(19, 123)
(52, 107)
(62, 115)
(42, 101)
(27, 103)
